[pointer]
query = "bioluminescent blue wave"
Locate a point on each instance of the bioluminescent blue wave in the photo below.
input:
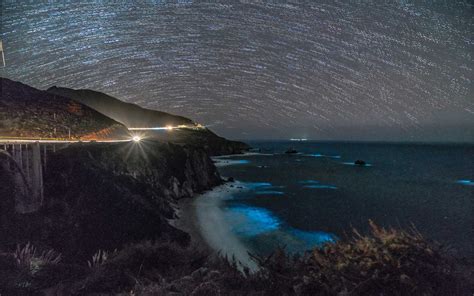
(315, 155)
(248, 221)
(321, 186)
(466, 182)
(240, 161)
(251, 221)
(254, 185)
(313, 238)
(269, 192)
(220, 162)
(322, 155)
(353, 164)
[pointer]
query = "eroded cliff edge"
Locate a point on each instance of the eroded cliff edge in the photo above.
(104, 196)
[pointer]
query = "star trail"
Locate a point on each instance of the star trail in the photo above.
(336, 70)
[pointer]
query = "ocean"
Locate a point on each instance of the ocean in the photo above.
(318, 195)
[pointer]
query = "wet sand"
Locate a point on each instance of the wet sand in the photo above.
(204, 220)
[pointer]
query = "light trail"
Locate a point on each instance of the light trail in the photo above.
(133, 138)
(168, 127)
(52, 141)
(149, 128)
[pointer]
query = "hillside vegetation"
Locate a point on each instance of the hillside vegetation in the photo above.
(26, 112)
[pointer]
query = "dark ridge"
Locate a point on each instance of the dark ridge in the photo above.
(29, 112)
(130, 115)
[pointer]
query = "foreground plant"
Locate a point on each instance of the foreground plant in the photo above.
(99, 258)
(382, 262)
(27, 257)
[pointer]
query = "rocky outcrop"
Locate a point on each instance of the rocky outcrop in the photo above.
(103, 196)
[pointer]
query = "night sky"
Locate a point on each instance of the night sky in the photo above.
(350, 70)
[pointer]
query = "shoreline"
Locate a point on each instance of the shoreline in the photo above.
(186, 221)
(203, 219)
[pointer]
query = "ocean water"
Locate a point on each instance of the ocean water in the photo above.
(307, 199)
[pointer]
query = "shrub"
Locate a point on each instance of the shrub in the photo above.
(385, 262)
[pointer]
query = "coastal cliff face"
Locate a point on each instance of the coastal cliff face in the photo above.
(102, 196)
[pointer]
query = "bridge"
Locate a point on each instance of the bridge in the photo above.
(26, 161)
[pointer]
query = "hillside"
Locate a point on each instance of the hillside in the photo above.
(130, 115)
(26, 112)
(133, 116)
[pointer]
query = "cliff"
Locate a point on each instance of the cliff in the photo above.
(103, 196)
(27, 112)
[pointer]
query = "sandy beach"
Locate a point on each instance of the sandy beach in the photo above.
(204, 220)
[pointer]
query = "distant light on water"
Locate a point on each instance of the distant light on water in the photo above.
(253, 185)
(357, 165)
(269, 192)
(322, 155)
(321, 186)
(466, 182)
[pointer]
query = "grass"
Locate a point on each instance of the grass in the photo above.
(383, 262)
(28, 258)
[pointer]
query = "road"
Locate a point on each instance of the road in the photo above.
(54, 141)
(168, 127)
(19, 140)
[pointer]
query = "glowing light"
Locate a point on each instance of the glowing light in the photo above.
(314, 238)
(136, 139)
(168, 127)
(353, 164)
(320, 186)
(298, 139)
(466, 182)
(252, 221)
(269, 192)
